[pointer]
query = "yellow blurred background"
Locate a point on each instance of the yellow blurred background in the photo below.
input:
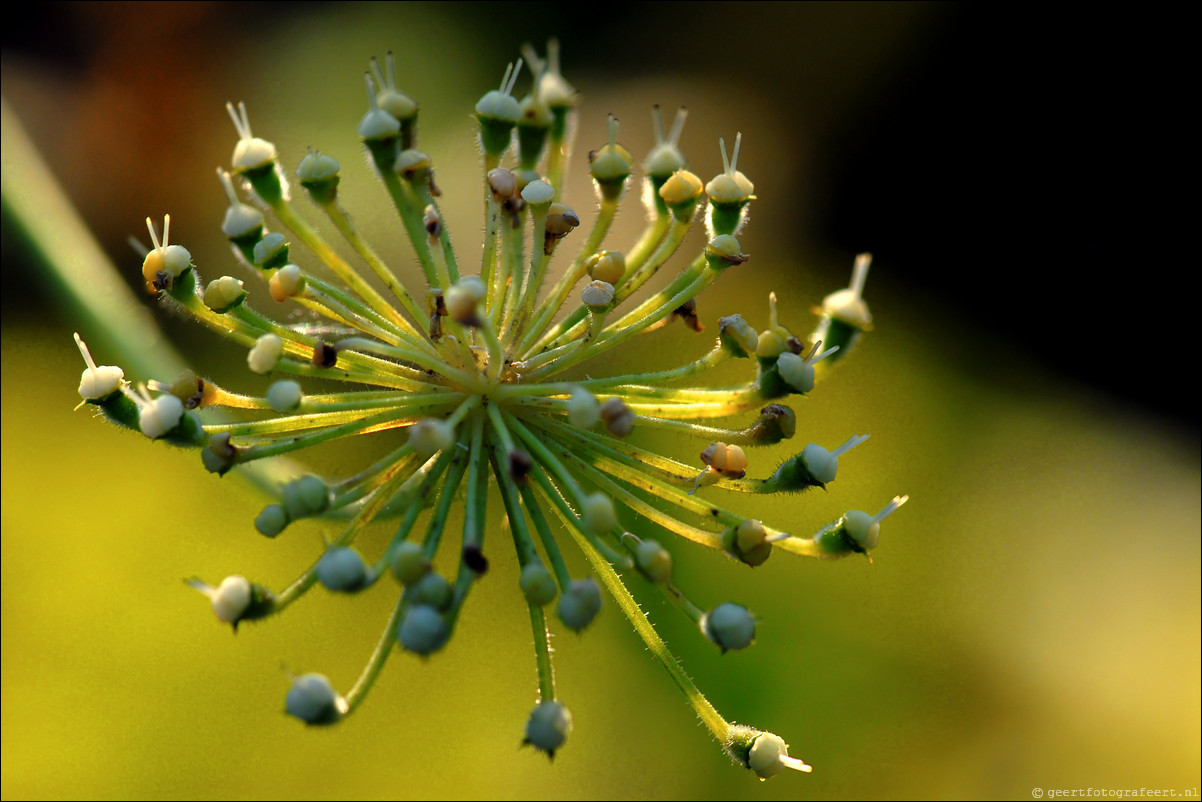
(1030, 619)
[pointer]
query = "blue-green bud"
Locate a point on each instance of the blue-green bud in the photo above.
(423, 630)
(549, 726)
(729, 626)
(343, 570)
(313, 701)
(579, 604)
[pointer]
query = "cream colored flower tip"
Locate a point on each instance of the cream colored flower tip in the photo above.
(430, 435)
(665, 157)
(222, 292)
(740, 332)
(584, 410)
(728, 459)
(538, 192)
(317, 166)
(799, 372)
(398, 105)
(848, 305)
(230, 599)
(240, 219)
(730, 186)
(611, 161)
(553, 89)
(156, 416)
(164, 258)
(377, 123)
(769, 755)
(250, 152)
(265, 354)
(597, 294)
(682, 187)
(500, 104)
(97, 382)
(866, 530)
(462, 299)
(823, 464)
(286, 283)
(284, 395)
(607, 266)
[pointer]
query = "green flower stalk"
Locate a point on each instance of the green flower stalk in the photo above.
(491, 389)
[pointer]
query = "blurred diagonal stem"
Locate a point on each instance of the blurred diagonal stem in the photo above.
(85, 283)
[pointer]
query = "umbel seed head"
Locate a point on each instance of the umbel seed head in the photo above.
(494, 389)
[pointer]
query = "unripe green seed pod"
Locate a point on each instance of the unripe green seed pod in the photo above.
(723, 251)
(538, 586)
(610, 165)
(284, 395)
(272, 520)
(747, 543)
(579, 604)
(597, 514)
(409, 563)
(220, 454)
(431, 589)
(583, 409)
(653, 560)
(397, 104)
(306, 496)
